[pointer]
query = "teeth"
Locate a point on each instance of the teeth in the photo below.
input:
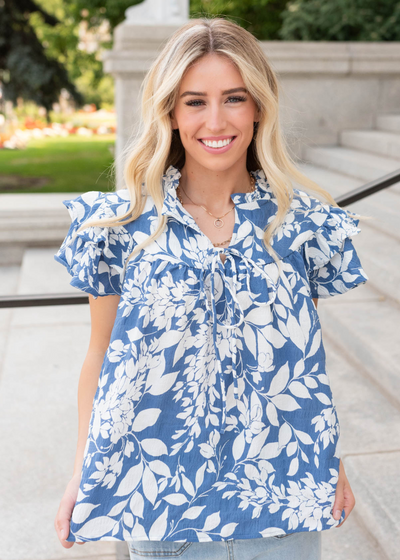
(219, 144)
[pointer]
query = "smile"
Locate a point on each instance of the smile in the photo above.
(217, 146)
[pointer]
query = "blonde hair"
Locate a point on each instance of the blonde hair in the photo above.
(155, 147)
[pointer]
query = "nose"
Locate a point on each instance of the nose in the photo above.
(216, 118)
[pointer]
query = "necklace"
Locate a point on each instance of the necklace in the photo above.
(218, 222)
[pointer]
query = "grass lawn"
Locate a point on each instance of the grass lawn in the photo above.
(72, 164)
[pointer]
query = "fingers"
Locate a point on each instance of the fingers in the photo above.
(349, 501)
(339, 503)
(344, 497)
(63, 517)
(62, 529)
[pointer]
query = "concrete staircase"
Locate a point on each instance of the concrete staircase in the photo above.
(362, 332)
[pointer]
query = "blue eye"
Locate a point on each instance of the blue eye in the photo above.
(192, 103)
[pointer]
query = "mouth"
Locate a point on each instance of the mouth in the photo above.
(217, 145)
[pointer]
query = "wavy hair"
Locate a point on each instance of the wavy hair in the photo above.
(155, 146)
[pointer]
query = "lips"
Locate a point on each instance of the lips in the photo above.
(220, 150)
(223, 139)
(217, 138)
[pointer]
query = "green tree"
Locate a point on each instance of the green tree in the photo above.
(95, 11)
(62, 42)
(26, 70)
(261, 17)
(341, 20)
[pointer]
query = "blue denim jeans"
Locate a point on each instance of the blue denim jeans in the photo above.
(299, 546)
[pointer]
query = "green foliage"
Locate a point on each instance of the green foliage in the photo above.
(39, 40)
(62, 42)
(94, 11)
(341, 20)
(26, 70)
(261, 17)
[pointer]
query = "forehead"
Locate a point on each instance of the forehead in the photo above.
(213, 70)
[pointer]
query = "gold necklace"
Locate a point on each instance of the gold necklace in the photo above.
(218, 222)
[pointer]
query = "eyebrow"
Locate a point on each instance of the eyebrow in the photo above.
(226, 92)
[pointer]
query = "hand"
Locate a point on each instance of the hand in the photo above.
(344, 497)
(63, 517)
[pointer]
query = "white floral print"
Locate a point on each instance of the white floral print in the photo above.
(213, 418)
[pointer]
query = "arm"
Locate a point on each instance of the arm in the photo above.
(103, 311)
(344, 497)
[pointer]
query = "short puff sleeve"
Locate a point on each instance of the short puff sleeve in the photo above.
(95, 256)
(332, 264)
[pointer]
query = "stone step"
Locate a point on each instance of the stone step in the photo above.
(360, 332)
(368, 428)
(383, 206)
(361, 342)
(368, 420)
(375, 481)
(34, 203)
(354, 163)
(375, 141)
(31, 220)
(380, 257)
(40, 229)
(390, 122)
(364, 326)
(42, 274)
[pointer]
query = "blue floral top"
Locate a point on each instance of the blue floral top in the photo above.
(213, 418)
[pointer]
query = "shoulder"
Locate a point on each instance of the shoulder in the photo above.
(313, 210)
(309, 217)
(98, 204)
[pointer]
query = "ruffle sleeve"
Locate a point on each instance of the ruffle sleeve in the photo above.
(95, 256)
(332, 264)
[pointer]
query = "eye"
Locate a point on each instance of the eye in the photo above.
(194, 102)
(238, 98)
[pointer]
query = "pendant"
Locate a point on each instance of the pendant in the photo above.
(219, 223)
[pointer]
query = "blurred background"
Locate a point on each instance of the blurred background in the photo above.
(70, 74)
(57, 102)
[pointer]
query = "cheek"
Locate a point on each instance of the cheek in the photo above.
(188, 125)
(244, 119)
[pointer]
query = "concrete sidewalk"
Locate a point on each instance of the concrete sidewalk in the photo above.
(43, 349)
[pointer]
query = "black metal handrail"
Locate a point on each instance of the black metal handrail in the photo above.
(370, 188)
(35, 300)
(74, 299)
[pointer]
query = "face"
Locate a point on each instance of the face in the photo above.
(207, 110)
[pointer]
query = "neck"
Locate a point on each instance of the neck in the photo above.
(214, 189)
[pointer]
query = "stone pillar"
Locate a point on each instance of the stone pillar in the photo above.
(137, 42)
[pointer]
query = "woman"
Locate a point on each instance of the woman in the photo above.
(206, 419)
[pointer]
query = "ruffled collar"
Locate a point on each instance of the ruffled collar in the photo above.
(172, 206)
(305, 216)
